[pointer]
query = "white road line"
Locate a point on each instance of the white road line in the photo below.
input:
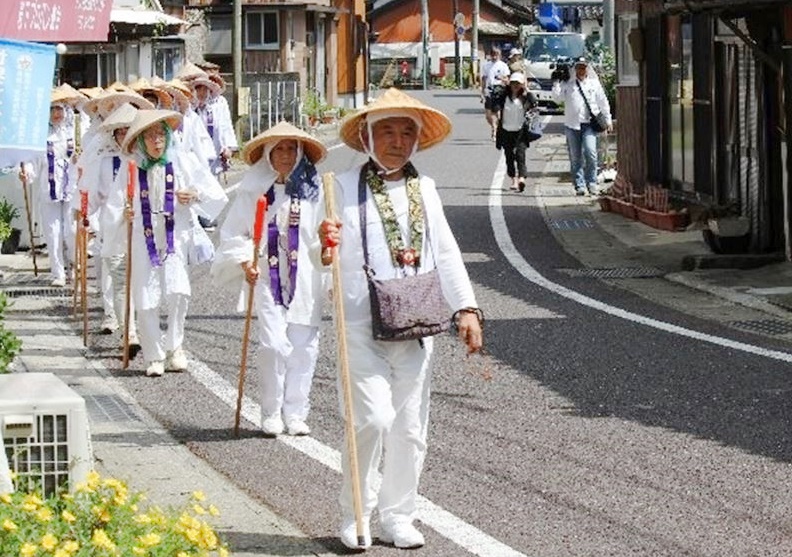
(434, 516)
(501, 232)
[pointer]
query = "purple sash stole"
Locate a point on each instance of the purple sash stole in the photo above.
(51, 168)
(293, 241)
(209, 120)
(145, 210)
(116, 165)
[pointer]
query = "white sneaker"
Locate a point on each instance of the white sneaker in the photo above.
(296, 426)
(273, 425)
(349, 535)
(177, 360)
(109, 325)
(155, 369)
(402, 534)
(61, 282)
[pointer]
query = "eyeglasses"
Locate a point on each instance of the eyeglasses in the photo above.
(154, 134)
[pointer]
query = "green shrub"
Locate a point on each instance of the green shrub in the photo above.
(8, 211)
(9, 343)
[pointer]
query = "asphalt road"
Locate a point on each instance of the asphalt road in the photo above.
(578, 433)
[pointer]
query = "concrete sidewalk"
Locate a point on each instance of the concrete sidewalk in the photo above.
(127, 443)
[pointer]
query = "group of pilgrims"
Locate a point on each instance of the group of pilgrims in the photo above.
(138, 164)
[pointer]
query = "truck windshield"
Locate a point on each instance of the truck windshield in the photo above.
(550, 47)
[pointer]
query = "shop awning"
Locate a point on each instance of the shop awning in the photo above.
(131, 16)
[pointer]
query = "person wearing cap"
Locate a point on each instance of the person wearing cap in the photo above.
(583, 97)
(513, 114)
(516, 63)
(54, 179)
(406, 232)
(167, 199)
(105, 178)
(288, 294)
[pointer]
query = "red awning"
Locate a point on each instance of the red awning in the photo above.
(55, 21)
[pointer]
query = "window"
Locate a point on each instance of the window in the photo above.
(167, 56)
(261, 30)
(628, 68)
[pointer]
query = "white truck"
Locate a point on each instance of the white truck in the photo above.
(543, 51)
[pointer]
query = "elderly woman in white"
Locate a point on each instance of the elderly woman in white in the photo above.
(168, 196)
(290, 285)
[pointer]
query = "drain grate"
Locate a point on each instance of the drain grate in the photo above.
(571, 224)
(109, 408)
(765, 326)
(614, 273)
(42, 292)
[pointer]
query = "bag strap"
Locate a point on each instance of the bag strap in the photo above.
(585, 99)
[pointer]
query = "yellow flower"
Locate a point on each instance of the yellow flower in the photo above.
(5, 498)
(68, 517)
(102, 540)
(60, 552)
(223, 552)
(70, 546)
(208, 537)
(44, 514)
(199, 495)
(49, 541)
(28, 550)
(150, 540)
(139, 550)
(9, 525)
(142, 519)
(198, 509)
(93, 479)
(214, 511)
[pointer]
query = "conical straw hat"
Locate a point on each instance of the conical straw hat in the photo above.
(143, 86)
(121, 117)
(435, 126)
(91, 92)
(214, 88)
(254, 149)
(106, 103)
(144, 119)
(66, 94)
(190, 71)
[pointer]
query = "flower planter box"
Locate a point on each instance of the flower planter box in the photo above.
(663, 220)
(624, 208)
(604, 203)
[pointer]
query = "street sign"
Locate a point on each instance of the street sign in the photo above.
(460, 30)
(459, 20)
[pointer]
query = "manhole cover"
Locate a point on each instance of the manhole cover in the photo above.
(571, 224)
(109, 408)
(765, 326)
(45, 292)
(614, 273)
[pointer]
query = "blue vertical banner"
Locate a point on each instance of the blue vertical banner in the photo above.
(26, 71)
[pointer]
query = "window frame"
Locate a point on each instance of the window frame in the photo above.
(628, 69)
(261, 15)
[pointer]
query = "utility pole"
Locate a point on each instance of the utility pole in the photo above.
(425, 38)
(474, 42)
(608, 24)
(459, 22)
(236, 49)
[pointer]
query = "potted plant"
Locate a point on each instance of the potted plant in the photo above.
(8, 234)
(313, 107)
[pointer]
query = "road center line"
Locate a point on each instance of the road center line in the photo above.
(504, 241)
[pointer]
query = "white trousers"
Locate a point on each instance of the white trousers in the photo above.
(115, 265)
(59, 229)
(152, 342)
(105, 281)
(285, 383)
(390, 393)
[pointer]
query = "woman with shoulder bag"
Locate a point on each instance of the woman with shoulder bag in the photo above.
(513, 135)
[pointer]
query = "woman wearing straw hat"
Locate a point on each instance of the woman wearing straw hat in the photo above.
(217, 122)
(105, 178)
(166, 196)
(288, 298)
(55, 179)
(390, 379)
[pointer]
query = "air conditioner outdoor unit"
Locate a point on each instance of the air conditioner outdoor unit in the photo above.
(44, 427)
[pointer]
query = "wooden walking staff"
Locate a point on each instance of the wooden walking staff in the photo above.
(23, 178)
(77, 264)
(130, 197)
(340, 325)
(258, 227)
(83, 224)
